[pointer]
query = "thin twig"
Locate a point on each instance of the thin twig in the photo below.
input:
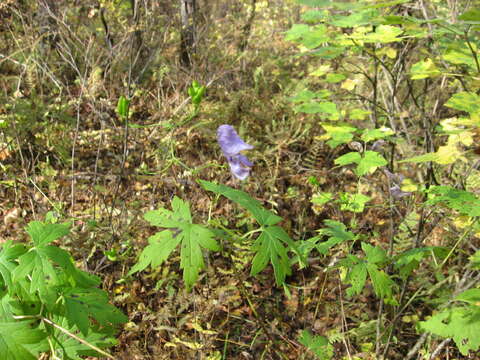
(84, 342)
(439, 348)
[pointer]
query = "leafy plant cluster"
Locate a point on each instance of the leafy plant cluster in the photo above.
(366, 68)
(50, 305)
(272, 245)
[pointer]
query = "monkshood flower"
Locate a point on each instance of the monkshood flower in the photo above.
(396, 181)
(232, 145)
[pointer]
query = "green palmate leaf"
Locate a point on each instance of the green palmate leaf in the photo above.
(82, 305)
(309, 36)
(383, 34)
(382, 283)
(471, 16)
(170, 219)
(190, 237)
(471, 296)
(358, 269)
(296, 32)
(42, 263)
(329, 52)
(263, 216)
(317, 344)
(353, 202)
(315, 37)
(42, 234)
(368, 162)
(374, 254)
(462, 324)
(334, 78)
(303, 96)
(336, 232)
(460, 54)
(349, 158)
(424, 69)
(44, 281)
(193, 236)
(340, 134)
(375, 134)
(321, 198)
(409, 260)
(314, 107)
(159, 249)
(371, 160)
(422, 158)
(39, 267)
(8, 253)
(19, 341)
(465, 101)
(463, 201)
(272, 246)
(359, 18)
(357, 277)
(66, 347)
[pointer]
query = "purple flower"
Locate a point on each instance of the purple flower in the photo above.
(231, 145)
(395, 189)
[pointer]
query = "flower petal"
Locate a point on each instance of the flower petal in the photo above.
(230, 142)
(398, 193)
(244, 160)
(237, 167)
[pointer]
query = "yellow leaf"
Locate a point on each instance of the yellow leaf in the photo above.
(322, 70)
(447, 154)
(323, 137)
(449, 124)
(201, 330)
(408, 186)
(119, 289)
(388, 51)
(462, 221)
(349, 84)
(391, 53)
(190, 345)
(466, 138)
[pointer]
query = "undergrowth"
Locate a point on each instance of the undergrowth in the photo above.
(350, 231)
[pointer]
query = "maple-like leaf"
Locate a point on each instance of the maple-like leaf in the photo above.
(85, 304)
(67, 347)
(262, 215)
(18, 341)
(462, 324)
(41, 260)
(367, 163)
(273, 243)
(191, 237)
(336, 233)
(8, 253)
(47, 266)
(270, 247)
(317, 344)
